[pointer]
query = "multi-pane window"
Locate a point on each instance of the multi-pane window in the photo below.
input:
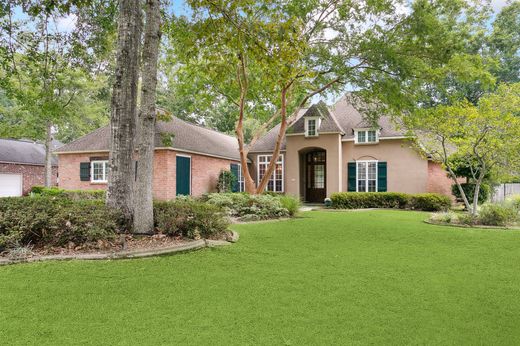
(240, 179)
(275, 183)
(366, 136)
(366, 176)
(311, 127)
(99, 171)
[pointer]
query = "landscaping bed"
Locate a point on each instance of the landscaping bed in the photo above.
(390, 200)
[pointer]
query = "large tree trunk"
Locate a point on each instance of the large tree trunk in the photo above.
(123, 110)
(143, 197)
(48, 156)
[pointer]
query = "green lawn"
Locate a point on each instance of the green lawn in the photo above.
(378, 277)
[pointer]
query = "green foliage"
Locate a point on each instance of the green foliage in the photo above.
(189, 218)
(44, 221)
(249, 207)
(503, 214)
(74, 195)
(395, 200)
(360, 200)
(226, 180)
(429, 202)
(291, 203)
(469, 190)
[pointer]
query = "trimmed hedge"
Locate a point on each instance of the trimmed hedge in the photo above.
(469, 189)
(54, 222)
(75, 195)
(189, 218)
(392, 200)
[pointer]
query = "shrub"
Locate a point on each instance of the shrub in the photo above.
(515, 201)
(467, 219)
(292, 204)
(264, 206)
(444, 217)
(393, 200)
(226, 180)
(75, 195)
(469, 189)
(498, 214)
(361, 200)
(429, 202)
(54, 222)
(189, 218)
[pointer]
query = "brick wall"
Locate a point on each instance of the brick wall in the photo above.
(31, 174)
(438, 181)
(204, 173)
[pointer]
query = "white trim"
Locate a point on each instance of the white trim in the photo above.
(380, 138)
(157, 148)
(188, 157)
(316, 126)
(365, 130)
(25, 164)
(105, 173)
(321, 133)
(366, 179)
(240, 175)
(281, 157)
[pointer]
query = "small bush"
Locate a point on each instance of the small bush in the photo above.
(498, 214)
(54, 222)
(225, 182)
(444, 217)
(392, 200)
(361, 200)
(292, 204)
(515, 201)
(189, 218)
(75, 195)
(469, 191)
(264, 206)
(467, 219)
(429, 202)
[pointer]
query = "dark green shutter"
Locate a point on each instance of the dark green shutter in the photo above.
(84, 171)
(351, 176)
(381, 176)
(183, 175)
(234, 169)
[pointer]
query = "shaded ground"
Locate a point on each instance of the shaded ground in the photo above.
(325, 278)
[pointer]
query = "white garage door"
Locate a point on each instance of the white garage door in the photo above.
(10, 185)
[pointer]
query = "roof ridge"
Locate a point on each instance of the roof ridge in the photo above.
(202, 127)
(81, 137)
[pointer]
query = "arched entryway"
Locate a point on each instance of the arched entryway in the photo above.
(314, 175)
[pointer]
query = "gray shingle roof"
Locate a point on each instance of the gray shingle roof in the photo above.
(342, 117)
(328, 122)
(23, 152)
(186, 136)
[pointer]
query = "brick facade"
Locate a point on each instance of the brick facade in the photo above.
(438, 180)
(31, 174)
(204, 172)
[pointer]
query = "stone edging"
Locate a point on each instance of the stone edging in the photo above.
(192, 245)
(498, 228)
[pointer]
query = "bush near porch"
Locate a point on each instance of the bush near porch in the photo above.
(390, 200)
(248, 207)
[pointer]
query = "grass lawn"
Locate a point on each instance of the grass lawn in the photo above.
(373, 277)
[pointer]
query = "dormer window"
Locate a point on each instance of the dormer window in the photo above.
(366, 136)
(311, 127)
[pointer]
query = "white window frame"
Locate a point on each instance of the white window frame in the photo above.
(240, 179)
(366, 162)
(281, 160)
(316, 123)
(105, 171)
(365, 130)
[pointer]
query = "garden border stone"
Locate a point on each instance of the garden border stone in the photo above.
(192, 245)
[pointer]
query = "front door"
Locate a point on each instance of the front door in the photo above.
(316, 187)
(183, 175)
